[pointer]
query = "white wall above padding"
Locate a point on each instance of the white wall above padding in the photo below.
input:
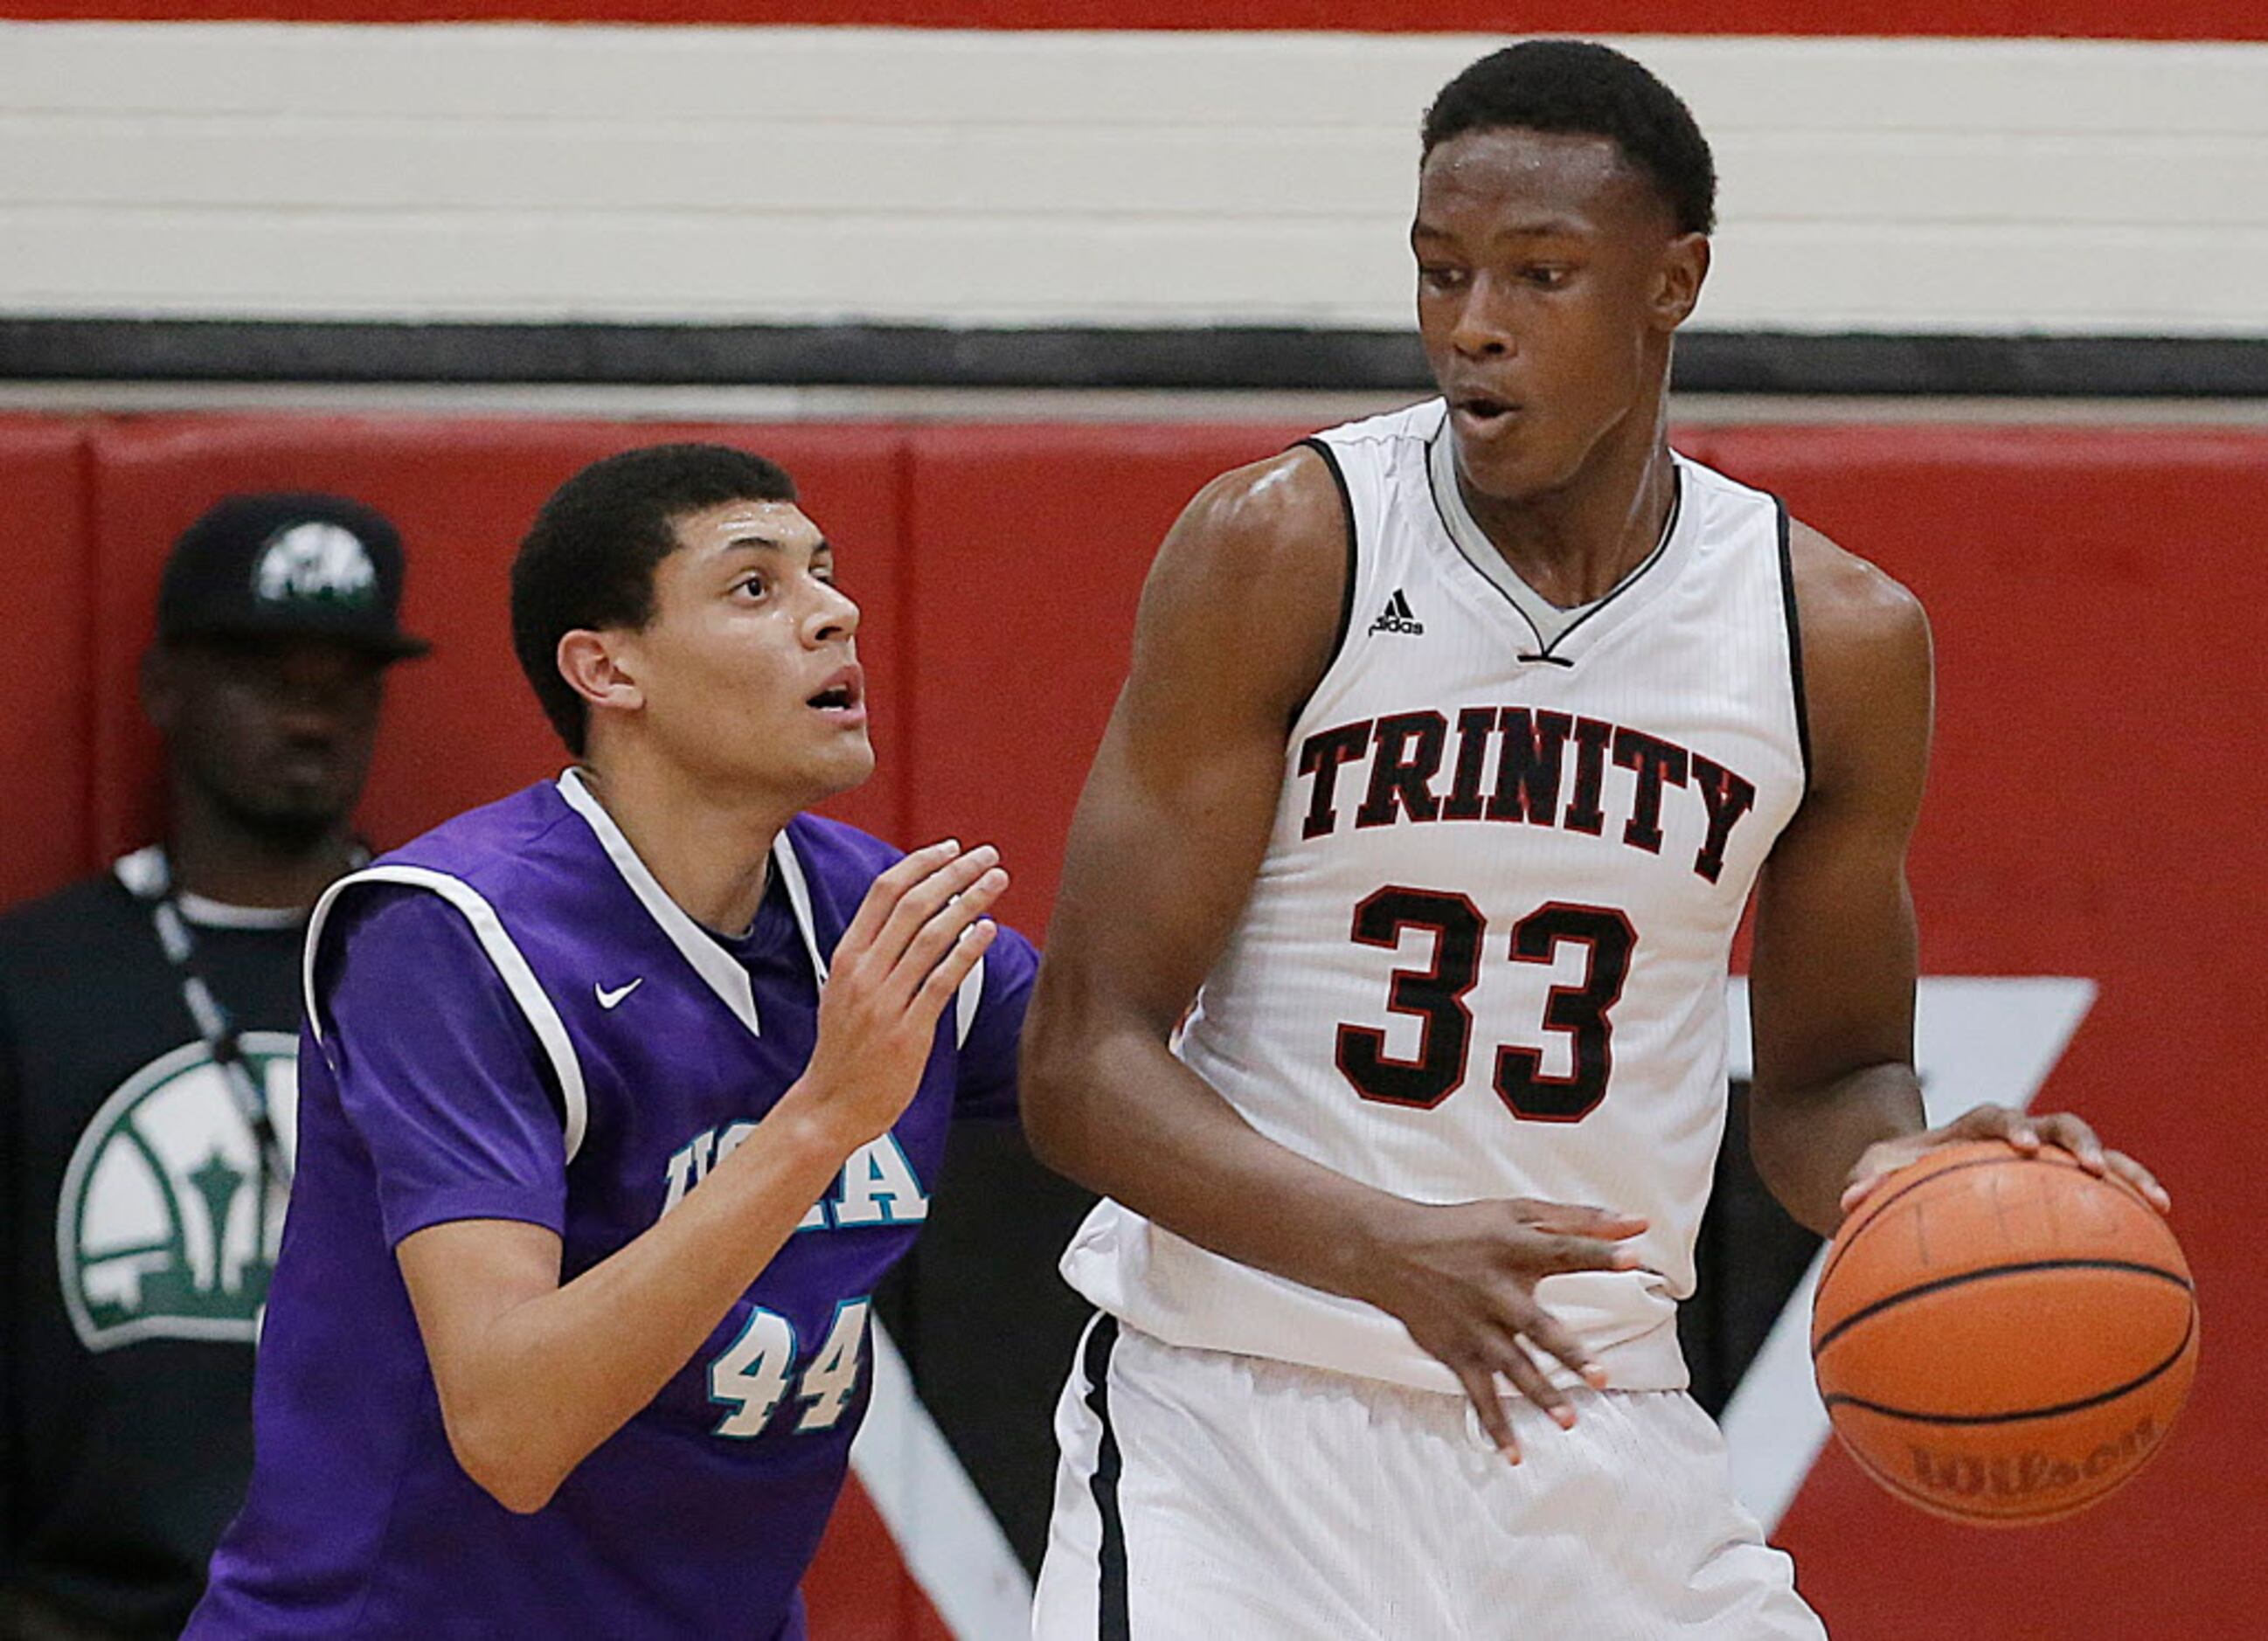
(502, 172)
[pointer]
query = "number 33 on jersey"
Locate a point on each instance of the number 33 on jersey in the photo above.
(1485, 951)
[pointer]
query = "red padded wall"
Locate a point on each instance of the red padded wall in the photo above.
(2093, 807)
(1030, 546)
(44, 730)
(461, 726)
(2099, 774)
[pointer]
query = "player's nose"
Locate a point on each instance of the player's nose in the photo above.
(1484, 327)
(834, 615)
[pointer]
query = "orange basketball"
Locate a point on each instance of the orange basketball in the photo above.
(2000, 1338)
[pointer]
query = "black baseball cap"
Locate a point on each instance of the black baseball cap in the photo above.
(289, 564)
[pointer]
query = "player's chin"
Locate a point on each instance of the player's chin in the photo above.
(847, 763)
(1517, 465)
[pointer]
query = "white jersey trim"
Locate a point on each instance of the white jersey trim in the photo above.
(512, 968)
(798, 897)
(711, 961)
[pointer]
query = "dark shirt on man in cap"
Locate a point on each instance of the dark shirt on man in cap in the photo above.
(140, 1204)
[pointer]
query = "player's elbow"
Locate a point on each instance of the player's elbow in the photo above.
(1046, 1093)
(502, 1460)
(1055, 1077)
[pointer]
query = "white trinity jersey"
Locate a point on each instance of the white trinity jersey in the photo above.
(1485, 954)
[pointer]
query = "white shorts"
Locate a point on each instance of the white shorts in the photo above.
(1205, 1496)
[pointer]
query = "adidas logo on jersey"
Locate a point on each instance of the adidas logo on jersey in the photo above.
(1397, 616)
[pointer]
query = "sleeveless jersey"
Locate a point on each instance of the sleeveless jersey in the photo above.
(1485, 953)
(594, 1054)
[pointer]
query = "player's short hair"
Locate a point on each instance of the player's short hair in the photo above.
(1584, 88)
(588, 559)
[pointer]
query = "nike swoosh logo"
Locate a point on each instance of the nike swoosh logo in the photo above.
(608, 999)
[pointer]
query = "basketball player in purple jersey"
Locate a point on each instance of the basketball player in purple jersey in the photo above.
(619, 1097)
(1384, 997)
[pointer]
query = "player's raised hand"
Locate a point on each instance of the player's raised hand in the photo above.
(2022, 1130)
(918, 935)
(1461, 1277)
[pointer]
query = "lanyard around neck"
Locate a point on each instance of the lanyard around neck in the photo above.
(154, 886)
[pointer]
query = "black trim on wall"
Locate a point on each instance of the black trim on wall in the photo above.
(917, 356)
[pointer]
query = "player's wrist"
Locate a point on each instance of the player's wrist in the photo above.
(811, 1118)
(1369, 1264)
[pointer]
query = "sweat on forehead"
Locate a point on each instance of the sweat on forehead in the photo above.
(1544, 171)
(751, 524)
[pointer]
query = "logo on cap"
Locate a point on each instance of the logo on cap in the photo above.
(316, 559)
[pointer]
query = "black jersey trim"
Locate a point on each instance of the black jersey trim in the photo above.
(1346, 593)
(1433, 494)
(1549, 653)
(1795, 643)
(1112, 1622)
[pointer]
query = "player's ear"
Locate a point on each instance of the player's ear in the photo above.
(595, 668)
(1684, 267)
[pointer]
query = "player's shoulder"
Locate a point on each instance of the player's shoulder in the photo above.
(1848, 604)
(1283, 511)
(490, 842)
(500, 859)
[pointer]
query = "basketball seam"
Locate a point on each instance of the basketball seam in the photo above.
(1874, 1213)
(1939, 1284)
(1839, 1400)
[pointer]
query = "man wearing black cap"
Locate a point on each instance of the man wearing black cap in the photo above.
(148, 1025)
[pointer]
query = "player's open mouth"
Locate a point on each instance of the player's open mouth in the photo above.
(845, 698)
(1484, 410)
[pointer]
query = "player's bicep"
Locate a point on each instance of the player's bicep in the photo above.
(1832, 978)
(463, 1275)
(1236, 623)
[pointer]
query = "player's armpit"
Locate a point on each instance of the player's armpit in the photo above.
(1832, 983)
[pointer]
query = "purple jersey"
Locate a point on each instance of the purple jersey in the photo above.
(508, 1018)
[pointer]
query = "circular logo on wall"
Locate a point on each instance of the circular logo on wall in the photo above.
(163, 1231)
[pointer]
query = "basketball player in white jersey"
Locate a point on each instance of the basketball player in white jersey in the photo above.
(1454, 743)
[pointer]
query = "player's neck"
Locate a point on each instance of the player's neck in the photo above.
(1574, 545)
(216, 857)
(708, 848)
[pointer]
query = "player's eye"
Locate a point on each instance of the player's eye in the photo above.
(1546, 275)
(1441, 276)
(752, 586)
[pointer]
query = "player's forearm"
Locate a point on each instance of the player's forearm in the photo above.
(555, 1375)
(1115, 1111)
(1806, 1140)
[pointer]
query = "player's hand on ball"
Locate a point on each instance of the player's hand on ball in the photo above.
(918, 936)
(1461, 1277)
(2027, 1133)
